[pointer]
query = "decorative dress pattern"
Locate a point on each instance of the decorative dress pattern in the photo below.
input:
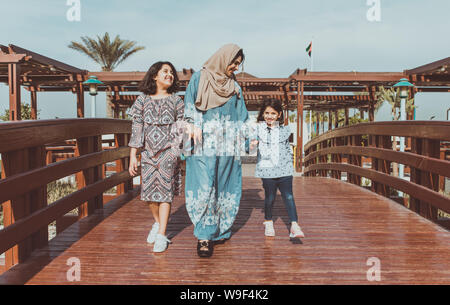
(275, 158)
(214, 175)
(157, 127)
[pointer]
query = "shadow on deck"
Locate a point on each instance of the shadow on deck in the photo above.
(345, 225)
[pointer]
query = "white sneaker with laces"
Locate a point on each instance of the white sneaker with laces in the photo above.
(152, 235)
(161, 243)
(269, 231)
(296, 231)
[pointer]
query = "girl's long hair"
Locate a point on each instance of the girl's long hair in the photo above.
(275, 104)
(148, 84)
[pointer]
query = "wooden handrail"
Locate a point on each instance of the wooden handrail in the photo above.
(24, 227)
(433, 130)
(436, 166)
(25, 175)
(18, 184)
(325, 156)
(20, 135)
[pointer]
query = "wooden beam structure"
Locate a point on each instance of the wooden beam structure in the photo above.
(22, 67)
(330, 91)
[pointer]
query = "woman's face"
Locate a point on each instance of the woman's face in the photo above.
(164, 78)
(271, 115)
(234, 66)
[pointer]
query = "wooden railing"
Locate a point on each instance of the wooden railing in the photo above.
(342, 149)
(25, 175)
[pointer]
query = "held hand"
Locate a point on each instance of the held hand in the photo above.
(253, 144)
(197, 135)
(194, 132)
(132, 169)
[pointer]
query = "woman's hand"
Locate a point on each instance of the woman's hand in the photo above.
(194, 132)
(253, 144)
(132, 169)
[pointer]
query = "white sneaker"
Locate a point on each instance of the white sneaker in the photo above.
(269, 231)
(296, 231)
(152, 235)
(161, 243)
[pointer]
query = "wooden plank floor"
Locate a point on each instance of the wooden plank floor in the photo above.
(344, 225)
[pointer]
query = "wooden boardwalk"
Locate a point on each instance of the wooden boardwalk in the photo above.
(344, 225)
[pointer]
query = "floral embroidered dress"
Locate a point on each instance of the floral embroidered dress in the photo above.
(157, 128)
(275, 157)
(214, 175)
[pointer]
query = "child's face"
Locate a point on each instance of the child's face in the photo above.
(164, 78)
(271, 115)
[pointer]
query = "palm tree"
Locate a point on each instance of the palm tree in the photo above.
(109, 54)
(392, 96)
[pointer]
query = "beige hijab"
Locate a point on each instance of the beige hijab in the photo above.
(215, 88)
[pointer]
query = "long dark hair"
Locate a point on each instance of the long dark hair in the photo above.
(275, 104)
(148, 84)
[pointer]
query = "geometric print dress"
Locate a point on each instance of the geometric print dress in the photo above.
(157, 128)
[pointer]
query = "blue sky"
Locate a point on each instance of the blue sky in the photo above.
(274, 35)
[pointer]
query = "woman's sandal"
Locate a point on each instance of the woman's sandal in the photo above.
(220, 241)
(204, 248)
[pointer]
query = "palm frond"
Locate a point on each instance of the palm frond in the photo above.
(109, 54)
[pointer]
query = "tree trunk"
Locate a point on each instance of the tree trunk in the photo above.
(109, 104)
(394, 164)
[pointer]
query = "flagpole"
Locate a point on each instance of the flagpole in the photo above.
(310, 93)
(312, 54)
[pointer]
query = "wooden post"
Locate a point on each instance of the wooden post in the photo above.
(337, 158)
(381, 165)
(80, 99)
(300, 101)
(16, 162)
(33, 97)
(123, 164)
(429, 148)
(115, 103)
(14, 92)
(347, 122)
(371, 111)
(336, 119)
(324, 158)
(355, 159)
(317, 123)
(286, 116)
(88, 176)
(329, 121)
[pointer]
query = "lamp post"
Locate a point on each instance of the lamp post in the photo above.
(93, 82)
(404, 87)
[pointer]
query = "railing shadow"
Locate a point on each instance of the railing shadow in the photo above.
(21, 273)
(251, 202)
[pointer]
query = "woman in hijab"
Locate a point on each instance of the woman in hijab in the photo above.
(215, 108)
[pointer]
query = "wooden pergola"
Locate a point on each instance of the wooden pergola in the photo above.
(303, 90)
(433, 77)
(21, 67)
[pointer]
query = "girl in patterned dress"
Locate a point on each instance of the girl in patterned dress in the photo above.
(157, 128)
(275, 164)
